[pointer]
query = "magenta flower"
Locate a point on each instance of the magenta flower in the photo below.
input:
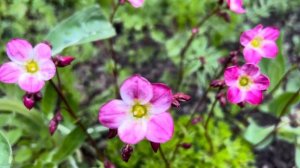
(236, 6)
(246, 84)
(29, 67)
(259, 42)
(136, 3)
(142, 112)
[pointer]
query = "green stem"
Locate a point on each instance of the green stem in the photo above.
(163, 156)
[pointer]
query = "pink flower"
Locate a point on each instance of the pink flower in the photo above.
(29, 67)
(136, 3)
(245, 83)
(236, 6)
(142, 112)
(259, 42)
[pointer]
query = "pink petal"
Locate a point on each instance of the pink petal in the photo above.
(42, 51)
(160, 128)
(10, 72)
(136, 88)
(270, 33)
(113, 113)
(136, 3)
(132, 131)
(270, 49)
(250, 70)
(162, 98)
(30, 83)
(254, 97)
(248, 35)
(251, 55)
(262, 82)
(47, 69)
(235, 95)
(19, 50)
(231, 75)
(236, 6)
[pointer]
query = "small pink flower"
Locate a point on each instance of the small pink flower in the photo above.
(236, 6)
(142, 112)
(245, 83)
(29, 67)
(259, 42)
(136, 3)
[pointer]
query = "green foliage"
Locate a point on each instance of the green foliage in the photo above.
(5, 152)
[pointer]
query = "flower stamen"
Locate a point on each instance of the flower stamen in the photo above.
(256, 42)
(139, 111)
(32, 66)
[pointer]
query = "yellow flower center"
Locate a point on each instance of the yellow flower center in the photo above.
(256, 42)
(139, 111)
(244, 81)
(32, 66)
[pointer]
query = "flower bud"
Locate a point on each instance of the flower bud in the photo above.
(195, 30)
(112, 133)
(217, 83)
(28, 101)
(108, 164)
(58, 116)
(126, 152)
(122, 2)
(155, 146)
(38, 96)
(222, 99)
(225, 16)
(196, 120)
(186, 145)
(53, 126)
(180, 97)
(241, 104)
(63, 61)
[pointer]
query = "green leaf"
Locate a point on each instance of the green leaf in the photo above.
(84, 26)
(255, 133)
(49, 101)
(69, 145)
(5, 152)
(277, 104)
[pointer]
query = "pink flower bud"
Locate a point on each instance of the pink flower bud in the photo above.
(195, 30)
(155, 146)
(217, 83)
(222, 99)
(53, 126)
(112, 133)
(108, 164)
(58, 116)
(126, 152)
(181, 97)
(63, 61)
(28, 101)
(122, 2)
(186, 145)
(38, 96)
(196, 120)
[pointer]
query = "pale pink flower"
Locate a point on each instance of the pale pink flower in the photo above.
(29, 67)
(136, 3)
(246, 84)
(142, 112)
(259, 42)
(236, 6)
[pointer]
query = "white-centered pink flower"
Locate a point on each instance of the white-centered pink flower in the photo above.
(136, 3)
(142, 112)
(246, 84)
(236, 6)
(29, 67)
(259, 42)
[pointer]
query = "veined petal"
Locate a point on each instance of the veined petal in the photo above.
(251, 55)
(136, 88)
(270, 33)
(42, 51)
(47, 69)
(235, 95)
(19, 50)
(136, 3)
(254, 97)
(30, 83)
(132, 131)
(248, 35)
(231, 75)
(113, 113)
(262, 82)
(250, 70)
(160, 128)
(236, 6)
(270, 49)
(162, 98)
(10, 72)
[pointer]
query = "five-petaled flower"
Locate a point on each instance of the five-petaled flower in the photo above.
(259, 42)
(246, 84)
(136, 3)
(29, 67)
(142, 112)
(236, 6)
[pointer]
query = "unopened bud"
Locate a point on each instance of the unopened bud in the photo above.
(195, 30)
(28, 101)
(241, 104)
(122, 1)
(112, 133)
(38, 96)
(53, 126)
(126, 152)
(108, 164)
(58, 116)
(225, 16)
(155, 146)
(186, 145)
(217, 83)
(222, 99)
(196, 120)
(180, 97)
(63, 61)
